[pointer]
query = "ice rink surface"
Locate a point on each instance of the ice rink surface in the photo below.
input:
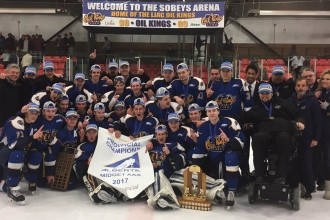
(48, 204)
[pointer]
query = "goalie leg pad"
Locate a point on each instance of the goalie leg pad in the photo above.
(99, 193)
(160, 193)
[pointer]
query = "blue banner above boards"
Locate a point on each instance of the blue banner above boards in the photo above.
(153, 14)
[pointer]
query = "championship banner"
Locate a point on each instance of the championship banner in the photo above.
(122, 163)
(153, 14)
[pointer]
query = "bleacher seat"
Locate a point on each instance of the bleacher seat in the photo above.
(323, 62)
(2, 66)
(319, 70)
(63, 59)
(59, 72)
(40, 72)
(56, 59)
(60, 66)
(279, 62)
(242, 75)
(271, 62)
(48, 58)
(245, 61)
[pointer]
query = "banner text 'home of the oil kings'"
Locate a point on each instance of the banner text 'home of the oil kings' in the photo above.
(153, 14)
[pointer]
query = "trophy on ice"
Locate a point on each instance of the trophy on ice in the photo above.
(194, 195)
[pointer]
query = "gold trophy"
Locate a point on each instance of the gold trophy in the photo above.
(194, 196)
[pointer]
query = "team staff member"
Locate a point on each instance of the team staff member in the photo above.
(272, 123)
(308, 112)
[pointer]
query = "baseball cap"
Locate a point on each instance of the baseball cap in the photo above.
(278, 70)
(119, 79)
(135, 79)
(30, 70)
(79, 76)
(168, 67)
(265, 88)
(173, 117)
(227, 65)
(48, 65)
(81, 99)
(161, 92)
(193, 107)
(113, 65)
(138, 101)
(160, 128)
(33, 107)
(71, 113)
(120, 104)
(99, 106)
(49, 105)
(95, 67)
(123, 63)
(91, 127)
(64, 97)
(211, 104)
(57, 87)
(182, 66)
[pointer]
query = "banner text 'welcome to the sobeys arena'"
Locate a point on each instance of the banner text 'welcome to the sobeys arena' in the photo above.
(209, 7)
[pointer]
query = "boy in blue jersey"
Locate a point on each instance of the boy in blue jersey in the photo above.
(138, 125)
(136, 87)
(181, 135)
(46, 144)
(162, 106)
(229, 93)
(165, 155)
(99, 117)
(77, 89)
(187, 89)
(15, 140)
(218, 148)
(95, 85)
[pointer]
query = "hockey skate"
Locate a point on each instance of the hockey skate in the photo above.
(15, 195)
(230, 201)
(220, 198)
(32, 187)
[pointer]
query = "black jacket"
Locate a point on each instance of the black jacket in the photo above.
(283, 113)
(9, 100)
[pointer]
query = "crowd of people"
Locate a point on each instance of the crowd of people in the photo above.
(193, 123)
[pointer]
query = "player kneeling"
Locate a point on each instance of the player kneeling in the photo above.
(98, 191)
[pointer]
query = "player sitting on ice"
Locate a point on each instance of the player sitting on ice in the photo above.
(98, 191)
(166, 158)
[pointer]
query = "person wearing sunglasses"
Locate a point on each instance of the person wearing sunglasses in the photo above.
(282, 87)
(48, 78)
(219, 145)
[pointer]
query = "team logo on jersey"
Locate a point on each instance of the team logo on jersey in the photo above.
(47, 137)
(187, 100)
(225, 102)
(140, 134)
(157, 158)
(215, 144)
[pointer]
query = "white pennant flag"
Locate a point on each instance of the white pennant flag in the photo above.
(122, 163)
